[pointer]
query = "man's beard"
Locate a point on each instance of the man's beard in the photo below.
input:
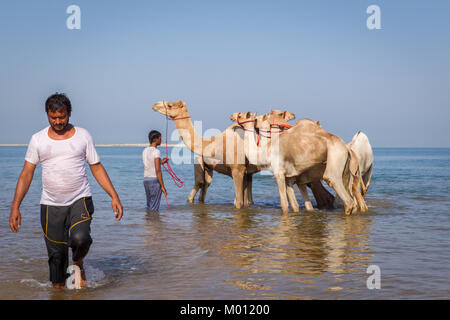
(60, 128)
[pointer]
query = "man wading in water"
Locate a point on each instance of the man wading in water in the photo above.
(66, 201)
(153, 179)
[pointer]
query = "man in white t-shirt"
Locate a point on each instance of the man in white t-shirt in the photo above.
(66, 201)
(153, 179)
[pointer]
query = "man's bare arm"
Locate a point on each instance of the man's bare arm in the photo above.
(159, 175)
(100, 174)
(23, 184)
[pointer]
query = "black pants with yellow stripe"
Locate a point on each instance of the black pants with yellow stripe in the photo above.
(64, 227)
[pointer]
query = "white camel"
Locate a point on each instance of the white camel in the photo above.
(361, 146)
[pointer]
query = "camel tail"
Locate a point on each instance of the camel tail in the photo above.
(365, 180)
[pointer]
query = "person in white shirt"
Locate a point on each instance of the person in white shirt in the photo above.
(153, 180)
(66, 201)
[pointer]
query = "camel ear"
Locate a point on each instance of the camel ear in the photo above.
(264, 117)
(318, 122)
(183, 104)
(233, 117)
(248, 114)
(254, 115)
(291, 115)
(271, 111)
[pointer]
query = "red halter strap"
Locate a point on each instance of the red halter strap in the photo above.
(178, 182)
(240, 123)
(281, 126)
(173, 118)
(179, 118)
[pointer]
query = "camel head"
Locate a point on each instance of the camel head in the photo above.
(285, 115)
(263, 122)
(174, 110)
(279, 119)
(245, 120)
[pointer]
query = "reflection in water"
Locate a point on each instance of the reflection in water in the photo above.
(348, 244)
(261, 246)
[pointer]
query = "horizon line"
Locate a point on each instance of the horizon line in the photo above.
(183, 145)
(100, 145)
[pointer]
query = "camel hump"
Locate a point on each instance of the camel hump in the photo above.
(360, 136)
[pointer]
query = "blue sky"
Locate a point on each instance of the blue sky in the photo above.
(314, 58)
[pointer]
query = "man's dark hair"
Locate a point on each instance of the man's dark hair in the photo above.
(57, 101)
(153, 135)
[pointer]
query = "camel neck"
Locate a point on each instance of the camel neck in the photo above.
(256, 153)
(193, 141)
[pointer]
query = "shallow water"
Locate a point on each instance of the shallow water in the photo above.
(213, 251)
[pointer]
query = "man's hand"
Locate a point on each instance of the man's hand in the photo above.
(100, 174)
(23, 184)
(165, 160)
(14, 219)
(117, 208)
(164, 191)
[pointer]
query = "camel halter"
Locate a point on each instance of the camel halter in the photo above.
(281, 127)
(241, 123)
(257, 131)
(172, 118)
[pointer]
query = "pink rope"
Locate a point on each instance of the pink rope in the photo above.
(169, 169)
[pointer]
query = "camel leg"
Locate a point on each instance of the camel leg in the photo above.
(323, 197)
(338, 186)
(207, 182)
(366, 180)
(357, 194)
(193, 193)
(249, 188)
(238, 179)
(281, 181)
(356, 181)
(245, 186)
(201, 197)
(198, 179)
(304, 192)
(290, 193)
(337, 175)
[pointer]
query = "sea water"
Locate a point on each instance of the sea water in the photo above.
(214, 251)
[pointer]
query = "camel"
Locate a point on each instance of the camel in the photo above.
(213, 155)
(361, 147)
(305, 150)
(324, 199)
(310, 175)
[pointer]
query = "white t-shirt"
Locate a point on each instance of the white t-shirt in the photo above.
(64, 178)
(148, 157)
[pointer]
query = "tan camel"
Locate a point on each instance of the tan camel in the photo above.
(304, 147)
(219, 153)
(316, 173)
(324, 199)
(275, 125)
